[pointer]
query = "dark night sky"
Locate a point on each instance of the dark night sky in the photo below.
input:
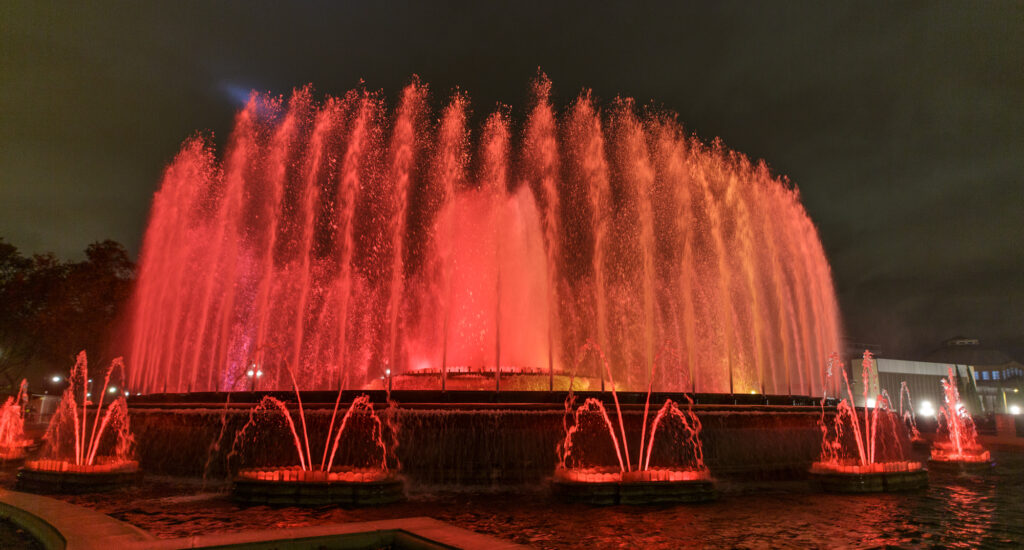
(901, 123)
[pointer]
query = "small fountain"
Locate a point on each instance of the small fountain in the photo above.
(910, 420)
(579, 479)
(868, 458)
(77, 457)
(310, 484)
(960, 452)
(13, 443)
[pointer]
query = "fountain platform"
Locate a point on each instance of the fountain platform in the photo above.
(478, 438)
(297, 487)
(884, 477)
(968, 462)
(605, 487)
(58, 476)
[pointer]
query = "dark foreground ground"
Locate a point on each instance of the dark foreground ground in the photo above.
(13, 537)
(956, 511)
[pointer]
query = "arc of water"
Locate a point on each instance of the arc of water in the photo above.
(594, 405)
(93, 439)
(302, 417)
(856, 423)
(692, 426)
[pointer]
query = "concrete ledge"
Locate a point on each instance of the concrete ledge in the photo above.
(411, 533)
(59, 525)
(62, 526)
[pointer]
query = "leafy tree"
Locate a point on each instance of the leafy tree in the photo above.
(51, 309)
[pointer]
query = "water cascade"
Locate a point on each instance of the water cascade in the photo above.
(346, 238)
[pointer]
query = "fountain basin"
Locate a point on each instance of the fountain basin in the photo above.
(605, 487)
(883, 477)
(58, 476)
(298, 487)
(964, 462)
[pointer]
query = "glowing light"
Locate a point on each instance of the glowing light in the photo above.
(753, 392)
(112, 389)
(259, 373)
(55, 379)
(250, 373)
(387, 372)
(926, 409)
(871, 402)
(1014, 409)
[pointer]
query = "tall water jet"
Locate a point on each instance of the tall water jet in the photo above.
(541, 160)
(347, 239)
(402, 162)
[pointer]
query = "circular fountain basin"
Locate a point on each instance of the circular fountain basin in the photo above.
(656, 486)
(298, 487)
(882, 477)
(58, 476)
(966, 462)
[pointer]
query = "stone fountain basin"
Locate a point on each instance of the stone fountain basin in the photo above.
(659, 486)
(885, 477)
(55, 476)
(967, 463)
(295, 487)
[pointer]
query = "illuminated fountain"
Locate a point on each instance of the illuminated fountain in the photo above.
(346, 238)
(12, 427)
(579, 477)
(308, 483)
(960, 451)
(865, 456)
(456, 259)
(78, 457)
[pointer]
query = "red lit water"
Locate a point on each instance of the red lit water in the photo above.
(954, 511)
(874, 443)
(961, 442)
(346, 238)
(12, 425)
(590, 421)
(71, 444)
(371, 429)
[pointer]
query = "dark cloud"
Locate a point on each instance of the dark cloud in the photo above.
(900, 122)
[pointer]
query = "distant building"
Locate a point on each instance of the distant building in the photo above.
(998, 378)
(988, 380)
(923, 382)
